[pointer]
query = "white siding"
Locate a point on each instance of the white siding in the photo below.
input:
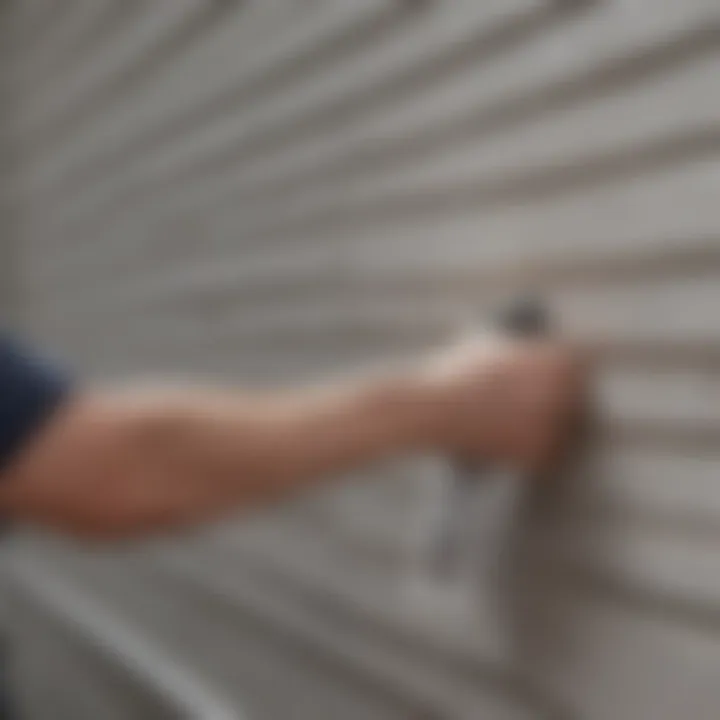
(287, 187)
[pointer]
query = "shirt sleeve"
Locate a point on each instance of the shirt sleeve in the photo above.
(31, 390)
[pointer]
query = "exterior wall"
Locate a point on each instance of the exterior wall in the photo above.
(274, 189)
(8, 276)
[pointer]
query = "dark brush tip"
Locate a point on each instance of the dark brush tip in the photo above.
(525, 316)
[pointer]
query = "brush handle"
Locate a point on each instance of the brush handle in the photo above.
(522, 317)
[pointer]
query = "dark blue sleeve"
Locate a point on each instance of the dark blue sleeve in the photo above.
(31, 390)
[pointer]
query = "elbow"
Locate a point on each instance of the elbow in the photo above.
(105, 473)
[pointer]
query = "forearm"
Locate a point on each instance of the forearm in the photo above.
(142, 460)
(136, 461)
(242, 449)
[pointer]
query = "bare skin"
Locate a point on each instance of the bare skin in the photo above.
(113, 464)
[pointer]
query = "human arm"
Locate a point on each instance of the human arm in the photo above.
(110, 463)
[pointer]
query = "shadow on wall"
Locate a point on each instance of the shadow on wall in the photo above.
(549, 548)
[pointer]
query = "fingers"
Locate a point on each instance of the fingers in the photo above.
(511, 400)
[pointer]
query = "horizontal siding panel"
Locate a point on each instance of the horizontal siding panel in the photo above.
(685, 487)
(267, 39)
(665, 553)
(152, 21)
(391, 142)
(677, 310)
(640, 213)
(363, 673)
(643, 680)
(683, 569)
(667, 310)
(654, 638)
(538, 185)
(79, 19)
(676, 101)
(114, 670)
(99, 27)
(266, 191)
(618, 24)
(306, 278)
(215, 142)
(686, 397)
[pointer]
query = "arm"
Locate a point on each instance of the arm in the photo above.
(117, 463)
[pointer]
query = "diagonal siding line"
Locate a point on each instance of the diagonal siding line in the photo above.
(601, 587)
(214, 286)
(175, 690)
(659, 355)
(696, 526)
(538, 185)
(167, 48)
(696, 259)
(74, 23)
(10, 163)
(35, 34)
(348, 346)
(246, 615)
(541, 184)
(323, 603)
(394, 152)
(115, 17)
(220, 284)
(679, 607)
(374, 655)
(481, 47)
(346, 42)
(694, 439)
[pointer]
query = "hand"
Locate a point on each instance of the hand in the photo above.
(513, 401)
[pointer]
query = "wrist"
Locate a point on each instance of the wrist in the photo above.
(426, 412)
(464, 409)
(410, 410)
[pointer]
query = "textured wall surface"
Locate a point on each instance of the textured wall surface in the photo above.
(264, 190)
